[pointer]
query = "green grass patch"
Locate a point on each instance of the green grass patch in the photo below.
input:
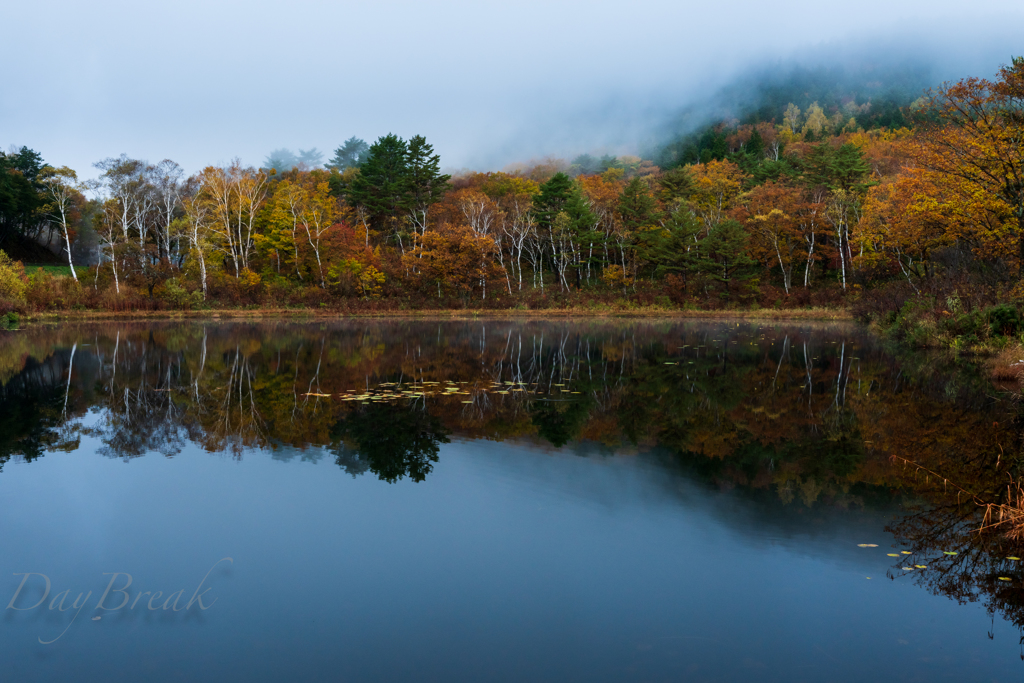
(51, 269)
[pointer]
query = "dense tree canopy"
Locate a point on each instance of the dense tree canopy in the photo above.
(817, 199)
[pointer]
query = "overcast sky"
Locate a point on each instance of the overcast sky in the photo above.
(203, 81)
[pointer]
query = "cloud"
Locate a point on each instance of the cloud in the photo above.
(204, 81)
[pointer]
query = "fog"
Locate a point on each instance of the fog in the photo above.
(486, 83)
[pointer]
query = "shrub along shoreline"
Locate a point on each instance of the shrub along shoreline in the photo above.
(992, 334)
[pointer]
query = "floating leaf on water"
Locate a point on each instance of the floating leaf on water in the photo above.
(921, 566)
(908, 569)
(1005, 578)
(867, 545)
(893, 554)
(1012, 558)
(905, 552)
(467, 401)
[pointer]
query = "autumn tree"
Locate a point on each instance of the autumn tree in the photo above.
(514, 198)
(318, 214)
(771, 216)
(973, 139)
(716, 186)
(107, 224)
(236, 195)
(127, 183)
(166, 178)
(908, 219)
(602, 193)
(65, 197)
(815, 122)
(844, 173)
(280, 234)
(195, 224)
(452, 260)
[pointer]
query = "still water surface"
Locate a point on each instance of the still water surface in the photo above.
(501, 501)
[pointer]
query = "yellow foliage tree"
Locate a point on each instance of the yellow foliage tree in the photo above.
(716, 186)
(974, 146)
(12, 280)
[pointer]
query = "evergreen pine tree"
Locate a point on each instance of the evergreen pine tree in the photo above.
(675, 184)
(582, 224)
(349, 155)
(382, 186)
(723, 256)
(426, 185)
(636, 205)
(551, 199)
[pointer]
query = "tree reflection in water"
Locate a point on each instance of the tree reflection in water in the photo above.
(949, 531)
(811, 415)
(392, 441)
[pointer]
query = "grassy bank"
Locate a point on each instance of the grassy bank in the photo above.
(809, 314)
(990, 335)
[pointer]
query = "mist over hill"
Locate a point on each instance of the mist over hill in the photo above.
(887, 70)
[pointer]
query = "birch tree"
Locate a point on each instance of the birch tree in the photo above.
(65, 195)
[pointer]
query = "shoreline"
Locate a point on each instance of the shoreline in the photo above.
(815, 314)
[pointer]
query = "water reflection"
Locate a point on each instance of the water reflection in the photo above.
(807, 416)
(392, 441)
(806, 411)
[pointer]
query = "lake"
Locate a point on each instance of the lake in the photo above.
(537, 500)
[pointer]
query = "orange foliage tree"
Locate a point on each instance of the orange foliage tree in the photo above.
(453, 259)
(973, 143)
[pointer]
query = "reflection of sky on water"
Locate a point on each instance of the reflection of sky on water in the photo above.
(508, 562)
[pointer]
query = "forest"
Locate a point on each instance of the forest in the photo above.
(909, 212)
